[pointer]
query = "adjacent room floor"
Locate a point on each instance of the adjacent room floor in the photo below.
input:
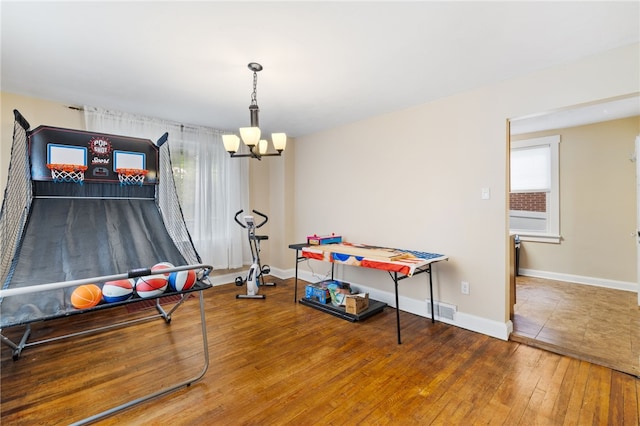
(595, 324)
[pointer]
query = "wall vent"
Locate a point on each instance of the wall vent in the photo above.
(442, 310)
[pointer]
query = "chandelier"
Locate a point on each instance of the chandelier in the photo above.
(251, 135)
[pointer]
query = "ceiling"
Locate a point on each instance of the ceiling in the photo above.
(325, 63)
(578, 115)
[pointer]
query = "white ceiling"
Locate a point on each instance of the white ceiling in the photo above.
(578, 115)
(325, 63)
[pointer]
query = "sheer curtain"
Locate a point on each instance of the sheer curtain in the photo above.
(210, 187)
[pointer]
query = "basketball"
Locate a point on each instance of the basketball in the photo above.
(182, 280)
(162, 265)
(151, 285)
(86, 296)
(117, 291)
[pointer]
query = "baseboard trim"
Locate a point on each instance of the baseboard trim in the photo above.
(226, 278)
(231, 277)
(579, 279)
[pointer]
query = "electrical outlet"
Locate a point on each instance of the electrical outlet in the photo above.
(464, 287)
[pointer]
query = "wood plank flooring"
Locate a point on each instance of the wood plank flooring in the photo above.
(595, 324)
(274, 362)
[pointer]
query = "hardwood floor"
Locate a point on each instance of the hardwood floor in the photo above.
(595, 324)
(275, 362)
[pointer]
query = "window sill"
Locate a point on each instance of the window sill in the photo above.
(538, 238)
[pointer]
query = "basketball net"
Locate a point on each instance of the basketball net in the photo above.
(67, 172)
(131, 176)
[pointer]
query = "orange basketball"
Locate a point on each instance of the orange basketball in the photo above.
(86, 296)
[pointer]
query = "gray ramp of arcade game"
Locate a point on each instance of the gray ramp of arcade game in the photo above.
(70, 239)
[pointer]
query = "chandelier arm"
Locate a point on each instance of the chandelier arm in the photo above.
(252, 155)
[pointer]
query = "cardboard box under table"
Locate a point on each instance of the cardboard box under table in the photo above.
(356, 303)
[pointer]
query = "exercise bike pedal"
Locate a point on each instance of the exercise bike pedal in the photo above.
(239, 281)
(266, 270)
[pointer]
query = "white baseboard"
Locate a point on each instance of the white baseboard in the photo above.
(283, 274)
(231, 277)
(225, 279)
(579, 279)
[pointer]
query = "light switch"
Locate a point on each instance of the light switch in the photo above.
(486, 193)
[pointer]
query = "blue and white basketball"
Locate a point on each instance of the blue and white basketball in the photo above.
(182, 280)
(117, 291)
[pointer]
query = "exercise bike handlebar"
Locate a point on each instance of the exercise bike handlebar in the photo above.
(266, 219)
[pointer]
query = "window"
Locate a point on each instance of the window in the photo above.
(534, 199)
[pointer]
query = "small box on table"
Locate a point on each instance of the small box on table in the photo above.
(316, 240)
(356, 303)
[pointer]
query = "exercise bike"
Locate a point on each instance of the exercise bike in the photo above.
(256, 273)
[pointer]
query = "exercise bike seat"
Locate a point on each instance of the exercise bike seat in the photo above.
(259, 237)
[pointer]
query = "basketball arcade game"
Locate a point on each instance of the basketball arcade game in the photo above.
(85, 208)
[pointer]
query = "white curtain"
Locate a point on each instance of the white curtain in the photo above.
(210, 186)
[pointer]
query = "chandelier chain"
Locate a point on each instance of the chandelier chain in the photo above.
(254, 95)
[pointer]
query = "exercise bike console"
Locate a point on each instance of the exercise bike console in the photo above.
(250, 222)
(256, 273)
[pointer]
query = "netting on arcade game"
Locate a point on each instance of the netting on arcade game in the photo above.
(67, 173)
(170, 208)
(131, 176)
(17, 196)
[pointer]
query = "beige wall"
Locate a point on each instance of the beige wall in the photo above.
(598, 204)
(271, 192)
(413, 179)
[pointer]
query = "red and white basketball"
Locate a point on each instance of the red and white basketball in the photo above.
(117, 291)
(162, 265)
(151, 285)
(182, 280)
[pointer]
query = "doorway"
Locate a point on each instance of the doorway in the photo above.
(592, 249)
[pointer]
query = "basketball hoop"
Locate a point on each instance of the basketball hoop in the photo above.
(67, 172)
(131, 176)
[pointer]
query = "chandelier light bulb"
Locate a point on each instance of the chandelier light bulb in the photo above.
(279, 141)
(250, 135)
(262, 146)
(231, 143)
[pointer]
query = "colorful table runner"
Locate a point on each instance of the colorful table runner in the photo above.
(388, 259)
